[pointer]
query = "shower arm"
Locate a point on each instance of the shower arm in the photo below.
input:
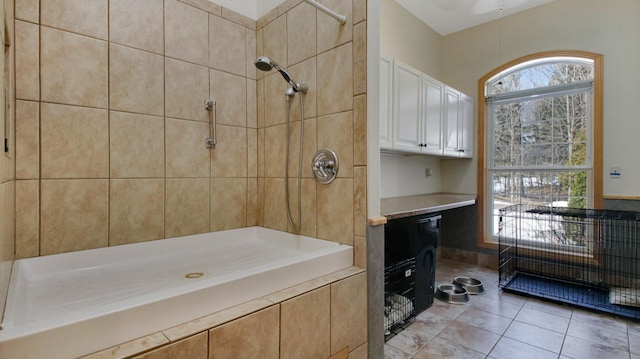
(340, 18)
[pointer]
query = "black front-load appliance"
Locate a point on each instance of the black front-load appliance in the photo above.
(415, 237)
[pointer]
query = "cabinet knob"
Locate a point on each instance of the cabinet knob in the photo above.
(461, 150)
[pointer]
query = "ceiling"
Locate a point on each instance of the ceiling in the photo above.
(449, 16)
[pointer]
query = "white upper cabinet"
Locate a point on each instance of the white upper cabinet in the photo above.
(458, 124)
(419, 114)
(386, 102)
(406, 108)
(466, 126)
(432, 111)
(452, 115)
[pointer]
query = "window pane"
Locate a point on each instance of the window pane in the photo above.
(538, 73)
(538, 188)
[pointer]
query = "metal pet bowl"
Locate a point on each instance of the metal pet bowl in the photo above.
(472, 285)
(452, 293)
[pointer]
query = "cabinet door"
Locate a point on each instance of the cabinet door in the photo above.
(406, 108)
(432, 109)
(452, 111)
(386, 101)
(466, 126)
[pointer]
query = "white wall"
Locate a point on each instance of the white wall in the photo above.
(405, 175)
(405, 38)
(611, 28)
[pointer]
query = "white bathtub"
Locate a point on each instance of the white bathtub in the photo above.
(73, 304)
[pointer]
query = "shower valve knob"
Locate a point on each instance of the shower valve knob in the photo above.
(325, 166)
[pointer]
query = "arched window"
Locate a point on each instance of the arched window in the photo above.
(541, 135)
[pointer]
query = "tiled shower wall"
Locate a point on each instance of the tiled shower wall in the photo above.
(331, 59)
(7, 158)
(111, 122)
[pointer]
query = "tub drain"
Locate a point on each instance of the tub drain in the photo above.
(194, 275)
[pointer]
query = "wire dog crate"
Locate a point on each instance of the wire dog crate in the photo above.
(399, 296)
(585, 257)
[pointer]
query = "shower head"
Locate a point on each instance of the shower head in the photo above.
(264, 63)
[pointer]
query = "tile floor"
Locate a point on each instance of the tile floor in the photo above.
(499, 325)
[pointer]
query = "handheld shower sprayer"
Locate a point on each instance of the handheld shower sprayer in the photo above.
(264, 63)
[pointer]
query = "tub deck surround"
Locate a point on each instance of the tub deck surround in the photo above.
(407, 206)
(72, 304)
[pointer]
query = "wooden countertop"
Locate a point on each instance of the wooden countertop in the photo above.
(399, 207)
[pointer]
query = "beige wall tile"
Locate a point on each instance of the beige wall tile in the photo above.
(359, 10)
(252, 152)
(309, 147)
(287, 5)
(187, 206)
(275, 215)
(27, 140)
(349, 312)
(253, 336)
(216, 319)
(186, 89)
(74, 215)
(261, 202)
(305, 327)
(260, 90)
(195, 347)
(360, 201)
(359, 353)
(186, 32)
(330, 33)
(86, 17)
(360, 130)
(73, 69)
(259, 50)
(129, 348)
(27, 218)
(229, 157)
(228, 203)
(136, 145)
(275, 40)
(136, 81)
(308, 200)
(252, 104)
(301, 33)
(28, 10)
(75, 142)
(275, 151)
(27, 49)
(250, 36)
(229, 50)
(360, 252)
(136, 210)
(213, 320)
(230, 92)
(238, 18)
(305, 72)
(336, 132)
(261, 153)
(186, 154)
(267, 18)
(335, 82)
(274, 100)
(205, 5)
(253, 202)
(335, 211)
(137, 24)
(360, 58)
(7, 232)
